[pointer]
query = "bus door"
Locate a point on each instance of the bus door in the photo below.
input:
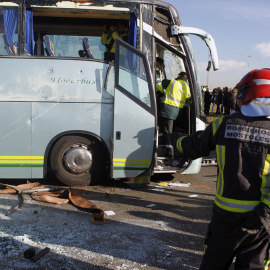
(133, 140)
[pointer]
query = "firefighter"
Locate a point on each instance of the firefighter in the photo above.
(240, 222)
(175, 92)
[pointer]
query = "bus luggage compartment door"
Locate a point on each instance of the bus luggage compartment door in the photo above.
(134, 113)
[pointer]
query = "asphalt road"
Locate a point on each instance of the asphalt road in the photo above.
(152, 228)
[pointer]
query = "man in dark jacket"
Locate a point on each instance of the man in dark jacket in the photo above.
(219, 101)
(239, 227)
(207, 101)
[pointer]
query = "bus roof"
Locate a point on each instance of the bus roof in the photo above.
(159, 3)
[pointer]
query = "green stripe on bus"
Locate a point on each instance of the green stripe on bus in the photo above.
(131, 165)
(128, 168)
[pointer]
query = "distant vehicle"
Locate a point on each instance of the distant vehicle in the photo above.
(66, 109)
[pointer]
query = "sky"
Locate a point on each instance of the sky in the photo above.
(241, 30)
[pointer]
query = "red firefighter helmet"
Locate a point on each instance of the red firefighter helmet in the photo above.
(255, 84)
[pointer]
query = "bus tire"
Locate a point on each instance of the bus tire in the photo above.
(77, 160)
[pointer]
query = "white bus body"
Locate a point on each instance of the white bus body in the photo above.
(79, 115)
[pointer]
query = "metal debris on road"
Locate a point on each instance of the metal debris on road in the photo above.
(109, 213)
(179, 185)
(151, 205)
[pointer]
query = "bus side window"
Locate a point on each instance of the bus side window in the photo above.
(8, 30)
(10, 48)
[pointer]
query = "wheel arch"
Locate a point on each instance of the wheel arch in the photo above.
(82, 133)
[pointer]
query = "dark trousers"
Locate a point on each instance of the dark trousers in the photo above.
(109, 56)
(166, 126)
(207, 108)
(218, 109)
(227, 110)
(224, 242)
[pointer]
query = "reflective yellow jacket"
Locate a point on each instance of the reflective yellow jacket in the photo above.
(107, 38)
(176, 93)
(243, 157)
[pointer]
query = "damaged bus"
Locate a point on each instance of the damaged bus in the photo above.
(67, 110)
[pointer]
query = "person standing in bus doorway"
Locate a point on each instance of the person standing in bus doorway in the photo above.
(240, 223)
(108, 39)
(175, 92)
(160, 72)
(160, 76)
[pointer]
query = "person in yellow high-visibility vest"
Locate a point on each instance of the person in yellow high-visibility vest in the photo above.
(176, 91)
(108, 39)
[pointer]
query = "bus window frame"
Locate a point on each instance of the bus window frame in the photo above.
(170, 48)
(179, 54)
(149, 77)
(20, 25)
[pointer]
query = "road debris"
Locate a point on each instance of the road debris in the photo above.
(40, 254)
(175, 184)
(202, 187)
(157, 188)
(109, 213)
(29, 253)
(151, 205)
(163, 237)
(163, 184)
(53, 195)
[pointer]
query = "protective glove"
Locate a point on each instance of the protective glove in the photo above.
(252, 225)
(173, 137)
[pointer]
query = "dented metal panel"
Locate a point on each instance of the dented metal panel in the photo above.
(96, 118)
(53, 80)
(15, 140)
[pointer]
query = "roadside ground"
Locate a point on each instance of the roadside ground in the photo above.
(156, 227)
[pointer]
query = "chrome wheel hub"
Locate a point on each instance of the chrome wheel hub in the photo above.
(78, 159)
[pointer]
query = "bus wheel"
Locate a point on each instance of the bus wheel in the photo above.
(77, 160)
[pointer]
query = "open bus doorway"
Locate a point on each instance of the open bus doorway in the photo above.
(173, 63)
